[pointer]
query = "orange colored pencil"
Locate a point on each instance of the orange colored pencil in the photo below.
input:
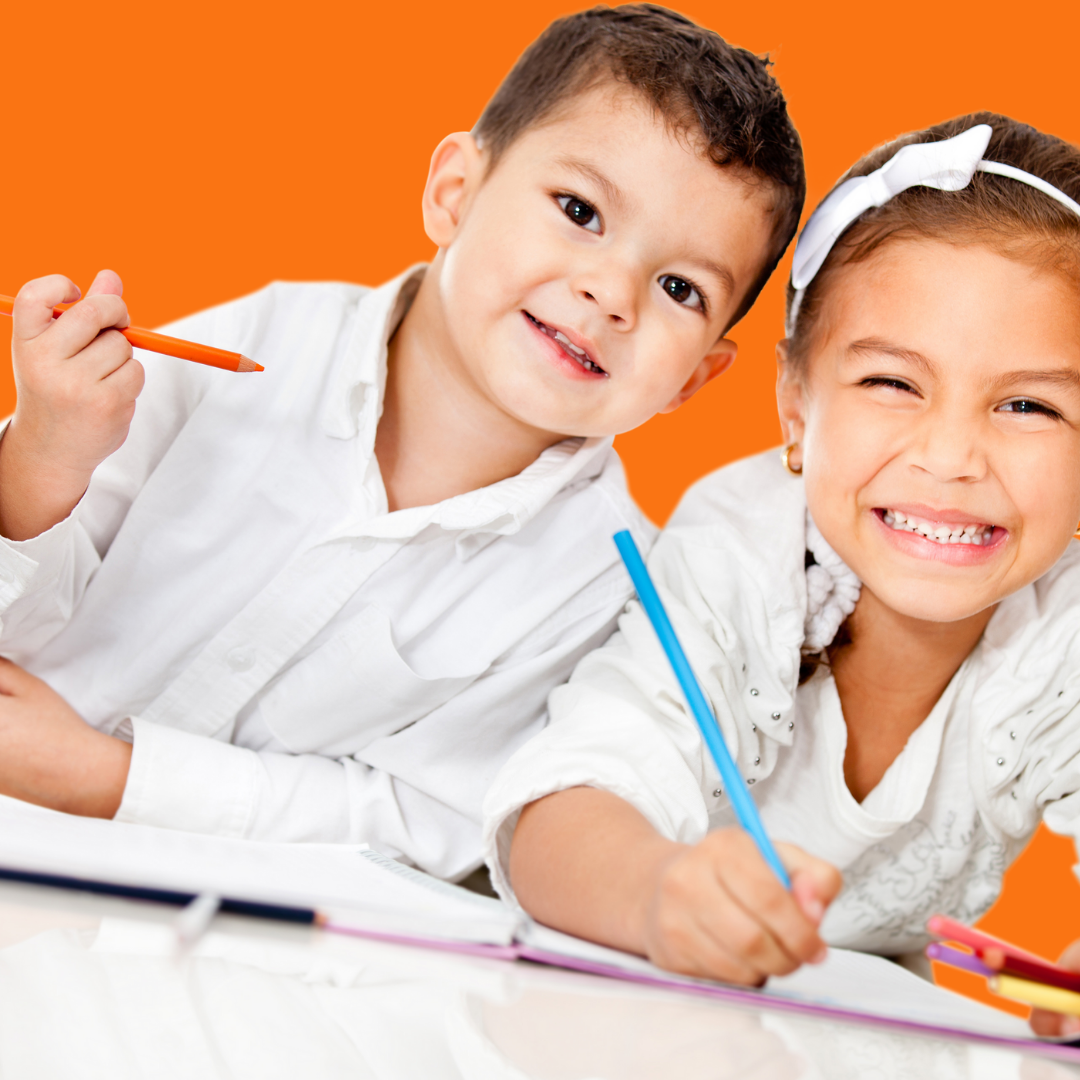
(168, 346)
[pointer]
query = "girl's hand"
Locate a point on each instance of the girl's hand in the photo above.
(586, 862)
(77, 384)
(718, 911)
(1044, 1022)
(50, 756)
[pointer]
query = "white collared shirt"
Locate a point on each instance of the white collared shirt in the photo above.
(999, 752)
(291, 660)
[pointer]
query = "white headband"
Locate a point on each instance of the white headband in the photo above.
(948, 165)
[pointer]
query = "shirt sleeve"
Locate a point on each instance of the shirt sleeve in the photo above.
(43, 579)
(415, 794)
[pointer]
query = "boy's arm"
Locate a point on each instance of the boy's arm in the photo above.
(77, 382)
(586, 862)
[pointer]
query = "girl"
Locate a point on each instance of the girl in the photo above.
(885, 618)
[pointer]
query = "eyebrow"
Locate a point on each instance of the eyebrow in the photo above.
(610, 189)
(877, 345)
(1065, 376)
(613, 193)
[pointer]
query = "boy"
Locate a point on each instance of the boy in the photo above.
(327, 601)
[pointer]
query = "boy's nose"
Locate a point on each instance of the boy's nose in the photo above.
(614, 293)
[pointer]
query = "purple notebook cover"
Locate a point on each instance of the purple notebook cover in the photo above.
(736, 994)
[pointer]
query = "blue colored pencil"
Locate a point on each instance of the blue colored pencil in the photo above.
(741, 801)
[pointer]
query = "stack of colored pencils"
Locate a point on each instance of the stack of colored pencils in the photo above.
(1010, 972)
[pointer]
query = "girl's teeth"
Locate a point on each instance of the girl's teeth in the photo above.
(939, 534)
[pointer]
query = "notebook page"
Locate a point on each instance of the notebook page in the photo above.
(350, 881)
(849, 981)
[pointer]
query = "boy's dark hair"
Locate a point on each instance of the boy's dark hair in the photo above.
(1005, 214)
(697, 81)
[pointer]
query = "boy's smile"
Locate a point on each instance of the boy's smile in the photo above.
(590, 275)
(941, 424)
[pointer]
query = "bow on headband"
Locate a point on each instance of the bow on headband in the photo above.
(948, 165)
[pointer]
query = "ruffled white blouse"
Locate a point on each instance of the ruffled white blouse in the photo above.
(999, 752)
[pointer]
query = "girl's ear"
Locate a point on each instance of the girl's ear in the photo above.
(790, 395)
(457, 169)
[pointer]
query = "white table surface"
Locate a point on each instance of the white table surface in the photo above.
(89, 988)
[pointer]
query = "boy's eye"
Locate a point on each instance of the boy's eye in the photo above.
(682, 291)
(1027, 407)
(580, 212)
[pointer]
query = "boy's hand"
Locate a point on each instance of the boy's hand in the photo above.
(50, 756)
(77, 383)
(1044, 1022)
(718, 911)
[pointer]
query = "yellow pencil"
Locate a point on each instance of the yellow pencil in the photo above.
(1038, 994)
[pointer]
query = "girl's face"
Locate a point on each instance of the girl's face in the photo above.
(938, 416)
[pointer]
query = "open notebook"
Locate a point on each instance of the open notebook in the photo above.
(358, 891)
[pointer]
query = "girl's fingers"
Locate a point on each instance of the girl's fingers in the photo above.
(815, 877)
(753, 950)
(746, 876)
(35, 302)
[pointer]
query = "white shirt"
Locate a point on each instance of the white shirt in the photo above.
(292, 661)
(999, 751)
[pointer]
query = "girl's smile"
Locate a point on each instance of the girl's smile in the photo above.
(947, 536)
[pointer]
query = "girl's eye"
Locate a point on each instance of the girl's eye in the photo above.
(682, 291)
(1027, 407)
(580, 212)
(892, 384)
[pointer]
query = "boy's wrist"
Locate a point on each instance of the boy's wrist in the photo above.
(97, 787)
(35, 493)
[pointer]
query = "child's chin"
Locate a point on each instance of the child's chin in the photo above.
(932, 601)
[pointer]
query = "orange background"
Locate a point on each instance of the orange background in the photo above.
(203, 149)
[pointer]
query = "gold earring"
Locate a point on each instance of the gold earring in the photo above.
(786, 459)
(1076, 535)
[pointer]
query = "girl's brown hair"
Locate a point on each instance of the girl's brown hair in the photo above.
(1005, 214)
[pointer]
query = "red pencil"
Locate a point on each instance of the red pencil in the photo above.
(168, 346)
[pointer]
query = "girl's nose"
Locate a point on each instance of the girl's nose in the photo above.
(949, 450)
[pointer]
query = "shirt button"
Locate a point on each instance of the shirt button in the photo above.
(1001, 761)
(240, 659)
(365, 543)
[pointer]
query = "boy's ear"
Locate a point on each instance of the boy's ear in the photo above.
(457, 168)
(790, 395)
(716, 361)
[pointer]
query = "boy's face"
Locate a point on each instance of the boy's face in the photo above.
(587, 279)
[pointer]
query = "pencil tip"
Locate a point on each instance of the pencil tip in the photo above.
(248, 365)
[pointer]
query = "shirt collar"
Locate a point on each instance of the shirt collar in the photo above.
(505, 507)
(356, 392)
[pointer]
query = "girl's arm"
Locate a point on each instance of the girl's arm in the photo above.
(586, 862)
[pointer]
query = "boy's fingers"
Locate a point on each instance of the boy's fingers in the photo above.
(78, 326)
(107, 281)
(33, 312)
(106, 354)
